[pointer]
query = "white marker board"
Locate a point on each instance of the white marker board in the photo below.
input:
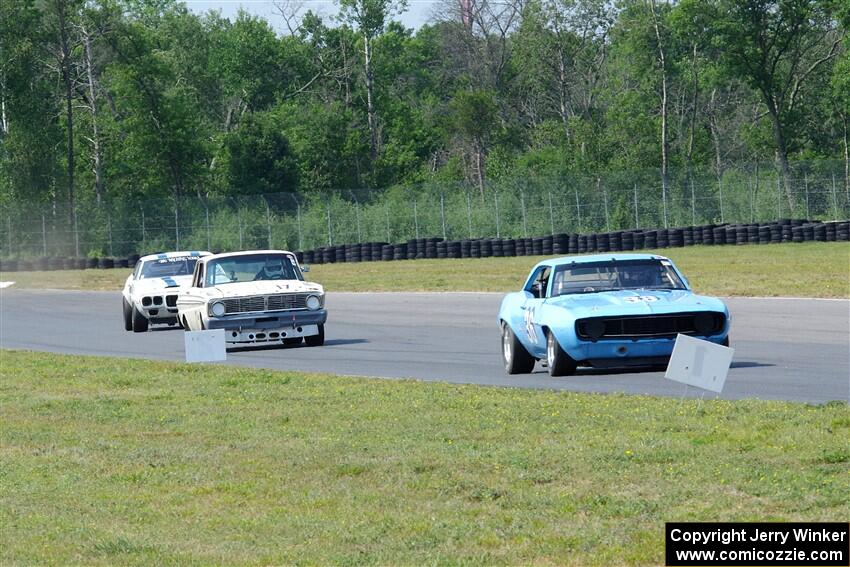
(205, 346)
(699, 363)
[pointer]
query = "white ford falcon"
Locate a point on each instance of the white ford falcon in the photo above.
(257, 297)
(150, 292)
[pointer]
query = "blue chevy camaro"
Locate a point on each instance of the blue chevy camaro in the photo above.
(604, 310)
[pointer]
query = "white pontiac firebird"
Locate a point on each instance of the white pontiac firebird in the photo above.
(258, 297)
(150, 292)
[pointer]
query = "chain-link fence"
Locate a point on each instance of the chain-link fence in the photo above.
(522, 207)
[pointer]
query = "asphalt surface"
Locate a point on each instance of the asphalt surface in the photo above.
(789, 349)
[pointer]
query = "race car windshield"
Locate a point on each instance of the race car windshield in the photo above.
(165, 267)
(252, 267)
(614, 276)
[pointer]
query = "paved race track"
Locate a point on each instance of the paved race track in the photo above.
(791, 349)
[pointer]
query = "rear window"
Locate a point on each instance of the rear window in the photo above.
(164, 267)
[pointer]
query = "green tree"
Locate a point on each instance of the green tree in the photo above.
(259, 157)
(779, 47)
(370, 17)
(474, 114)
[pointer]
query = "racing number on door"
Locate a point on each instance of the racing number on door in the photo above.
(528, 316)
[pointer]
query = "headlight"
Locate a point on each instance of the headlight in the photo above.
(595, 329)
(313, 302)
(705, 323)
(217, 309)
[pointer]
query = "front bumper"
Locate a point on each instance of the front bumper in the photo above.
(159, 314)
(271, 326)
(605, 353)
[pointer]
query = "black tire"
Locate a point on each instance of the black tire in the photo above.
(316, 340)
(515, 357)
(128, 315)
(294, 341)
(560, 363)
(140, 322)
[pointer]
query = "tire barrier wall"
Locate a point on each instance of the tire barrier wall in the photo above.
(784, 230)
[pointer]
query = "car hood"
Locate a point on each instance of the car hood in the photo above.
(635, 302)
(153, 285)
(264, 287)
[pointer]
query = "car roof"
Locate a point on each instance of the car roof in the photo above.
(591, 258)
(185, 253)
(246, 253)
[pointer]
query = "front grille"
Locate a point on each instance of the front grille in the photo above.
(245, 304)
(651, 326)
(171, 300)
(287, 301)
(278, 302)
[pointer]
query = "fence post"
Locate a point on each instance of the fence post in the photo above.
(415, 219)
(268, 223)
(752, 211)
(109, 231)
(176, 227)
(498, 223)
(443, 213)
(330, 229)
(144, 246)
(693, 202)
(834, 199)
(605, 200)
(664, 202)
(387, 211)
(43, 236)
(9, 233)
(551, 214)
(239, 221)
(720, 190)
(207, 217)
(806, 189)
(76, 235)
(637, 221)
(356, 215)
(756, 189)
(578, 208)
(298, 220)
(469, 212)
(779, 198)
(522, 205)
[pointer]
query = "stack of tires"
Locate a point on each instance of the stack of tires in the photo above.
(782, 230)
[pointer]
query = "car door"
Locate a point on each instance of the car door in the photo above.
(536, 289)
(190, 299)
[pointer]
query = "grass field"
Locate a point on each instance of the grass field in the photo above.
(817, 269)
(111, 461)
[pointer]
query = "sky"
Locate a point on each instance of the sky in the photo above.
(417, 14)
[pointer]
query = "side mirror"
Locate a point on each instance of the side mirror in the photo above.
(537, 290)
(305, 268)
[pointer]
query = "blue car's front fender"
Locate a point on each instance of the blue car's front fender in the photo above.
(512, 313)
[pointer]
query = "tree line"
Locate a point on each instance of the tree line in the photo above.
(143, 99)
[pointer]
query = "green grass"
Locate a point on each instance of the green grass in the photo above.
(816, 269)
(111, 461)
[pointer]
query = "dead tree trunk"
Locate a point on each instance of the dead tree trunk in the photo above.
(665, 142)
(370, 104)
(97, 149)
(781, 151)
(65, 69)
(479, 164)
